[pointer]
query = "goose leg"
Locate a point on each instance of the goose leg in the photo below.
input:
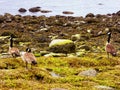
(108, 55)
(26, 65)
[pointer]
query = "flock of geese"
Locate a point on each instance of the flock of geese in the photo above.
(28, 56)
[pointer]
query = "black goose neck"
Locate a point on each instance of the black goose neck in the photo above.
(11, 42)
(109, 36)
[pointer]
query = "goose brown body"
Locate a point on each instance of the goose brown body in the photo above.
(14, 51)
(109, 47)
(28, 57)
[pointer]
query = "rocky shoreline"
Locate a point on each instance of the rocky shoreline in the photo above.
(36, 32)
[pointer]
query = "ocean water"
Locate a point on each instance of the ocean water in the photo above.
(79, 7)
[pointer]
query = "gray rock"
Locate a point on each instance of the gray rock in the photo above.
(90, 72)
(100, 87)
(55, 55)
(53, 74)
(62, 46)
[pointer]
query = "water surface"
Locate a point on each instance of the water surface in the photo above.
(79, 7)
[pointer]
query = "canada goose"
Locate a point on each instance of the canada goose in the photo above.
(13, 50)
(28, 57)
(109, 47)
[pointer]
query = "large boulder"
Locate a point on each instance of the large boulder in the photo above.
(62, 46)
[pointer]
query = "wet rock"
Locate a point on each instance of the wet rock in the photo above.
(42, 38)
(22, 10)
(42, 53)
(85, 47)
(62, 46)
(52, 37)
(98, 16)
(1, 18)
(90, 72)
(44, 29)
(91, 20)
(34, 9)
(118, 13)
(18, 18)
(75, 37)
(59, 89)
(45, 11)
(3, 39)
(100, 87)
(67, 12)
(8, 17)
(90, 15)
(78, 28)
(72, 55)
(80, 53)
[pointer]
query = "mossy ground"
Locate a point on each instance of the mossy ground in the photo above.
(13, 74)
(37, 32)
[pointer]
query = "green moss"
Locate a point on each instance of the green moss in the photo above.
(13, 74)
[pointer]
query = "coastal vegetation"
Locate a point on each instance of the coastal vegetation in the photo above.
(85, 67)
(13, 74)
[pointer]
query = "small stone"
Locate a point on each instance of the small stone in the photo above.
(34, 9)
(45, 11)
(100, 87)
(90, 72)
(55, 55)
(67, 12)
(75, 37)
(22, 10)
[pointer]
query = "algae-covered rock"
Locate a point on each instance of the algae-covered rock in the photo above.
(76, 37)
(62, 46)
